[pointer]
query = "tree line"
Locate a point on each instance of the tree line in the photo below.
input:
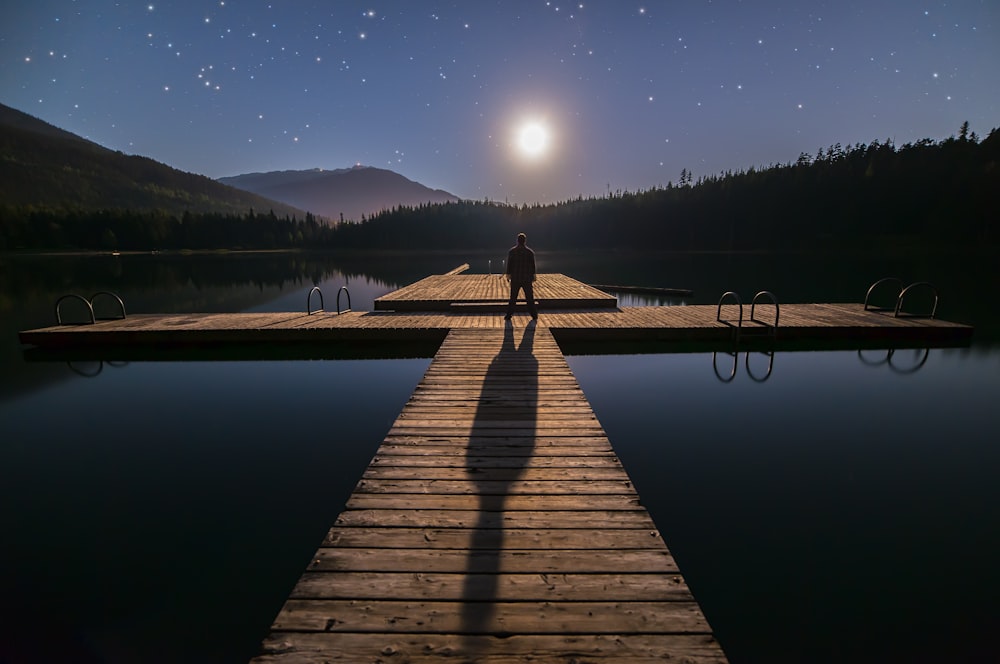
(923, 193)
(122, 229)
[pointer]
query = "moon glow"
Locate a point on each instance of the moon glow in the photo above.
(533, 139)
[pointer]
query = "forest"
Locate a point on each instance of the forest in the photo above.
(927, 193)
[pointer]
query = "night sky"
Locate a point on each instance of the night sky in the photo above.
(622, 95)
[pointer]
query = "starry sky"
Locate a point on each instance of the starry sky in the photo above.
(621, 95)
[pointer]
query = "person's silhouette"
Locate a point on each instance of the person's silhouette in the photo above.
(521, 275)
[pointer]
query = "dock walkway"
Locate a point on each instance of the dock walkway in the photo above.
(495, 524)
(573, 311)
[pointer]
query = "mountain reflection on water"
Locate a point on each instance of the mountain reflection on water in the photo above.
(823, 506)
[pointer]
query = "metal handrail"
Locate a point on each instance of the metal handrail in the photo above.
(315, 289)
(718, 312)
(884, 280)
(90, 307)
(343, 289)
(902, 294)
(121, 304)
(777, 310)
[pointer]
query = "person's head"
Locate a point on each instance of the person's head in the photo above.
(521, 238)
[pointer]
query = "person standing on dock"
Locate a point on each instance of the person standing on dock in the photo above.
(521, 275)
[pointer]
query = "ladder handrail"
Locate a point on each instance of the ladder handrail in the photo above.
(121, 303)
(898, 282)
(343, 289)
(902, 294)
(718, 311)
(315, 289)
(90, 307)
(777, 310)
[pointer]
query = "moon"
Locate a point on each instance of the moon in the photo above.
(533, 139)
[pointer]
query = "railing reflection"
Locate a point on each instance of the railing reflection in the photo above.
(93, 369)
(756, 377)
(919, 359)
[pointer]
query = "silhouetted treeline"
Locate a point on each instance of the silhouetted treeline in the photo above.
(127, 230)
(923, 193)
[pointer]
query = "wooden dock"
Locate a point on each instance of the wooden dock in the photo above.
(574, 312)
(470, 292)
(495, 524)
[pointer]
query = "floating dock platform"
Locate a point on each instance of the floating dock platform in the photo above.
(571, 310)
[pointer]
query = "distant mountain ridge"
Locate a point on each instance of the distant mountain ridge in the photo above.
(348, 193)
(47, 168)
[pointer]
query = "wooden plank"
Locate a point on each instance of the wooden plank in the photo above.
(544, 539)
(477, 473)
(501, 648)
(492, 587)
(422, 559)
(537, 519)
(443, 617)
(565, 503)
(388, 459)
(494, 487)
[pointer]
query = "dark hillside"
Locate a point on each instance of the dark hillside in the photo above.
(43, 167)
(347, 193)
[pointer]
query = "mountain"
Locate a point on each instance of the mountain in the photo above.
(44, 167)
(345, 192)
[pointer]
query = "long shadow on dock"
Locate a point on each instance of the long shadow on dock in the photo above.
(505, 419)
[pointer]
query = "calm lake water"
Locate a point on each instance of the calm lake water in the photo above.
(823, 506)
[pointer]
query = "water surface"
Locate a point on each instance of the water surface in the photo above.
(840, 508)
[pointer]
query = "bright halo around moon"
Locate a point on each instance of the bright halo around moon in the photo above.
(533, 139)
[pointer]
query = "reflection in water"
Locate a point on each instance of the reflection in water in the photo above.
(644, 300)
(504, 426)
(164, 497)
(92, 369)
(757, 376)
(806, 481)
(919, 360)
(178, 283)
